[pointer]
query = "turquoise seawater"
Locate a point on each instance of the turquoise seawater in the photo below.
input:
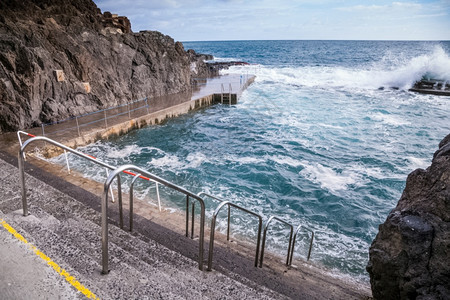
(320, 139)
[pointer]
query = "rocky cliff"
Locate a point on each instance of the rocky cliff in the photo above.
(410, 256)
(60, 58)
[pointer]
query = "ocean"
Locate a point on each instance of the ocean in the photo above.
(325, 137)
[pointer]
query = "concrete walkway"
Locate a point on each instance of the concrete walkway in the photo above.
(24, 275)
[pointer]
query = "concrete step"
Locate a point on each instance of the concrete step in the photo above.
(153, 260)
(68, 232)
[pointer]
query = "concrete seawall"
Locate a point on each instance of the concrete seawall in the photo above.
(125, 127)
(161, 109)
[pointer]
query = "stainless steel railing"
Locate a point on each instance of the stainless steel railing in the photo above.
(21, 159)
(151, 177)
(293, 244)
(213, 227)
(164, 182)
(115, 173)
(264, 239)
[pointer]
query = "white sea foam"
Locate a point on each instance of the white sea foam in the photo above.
(286, 160)
(328, 178)
(248, 160)
(389, 72)
(418, 162)
(196, 159)
(124, 152)
(168, 161)
(389, 119)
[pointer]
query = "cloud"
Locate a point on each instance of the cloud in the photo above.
(286, 19)
(386, 7)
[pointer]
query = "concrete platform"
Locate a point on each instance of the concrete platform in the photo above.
(74, 133)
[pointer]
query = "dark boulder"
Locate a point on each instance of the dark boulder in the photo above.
(410, 256)
(198, 66)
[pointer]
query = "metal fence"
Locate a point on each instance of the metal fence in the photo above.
(104, 118)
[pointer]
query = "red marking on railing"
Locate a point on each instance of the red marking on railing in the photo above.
(131, 173)
(93, 157)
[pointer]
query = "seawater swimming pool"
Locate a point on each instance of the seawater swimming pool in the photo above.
(313, 141)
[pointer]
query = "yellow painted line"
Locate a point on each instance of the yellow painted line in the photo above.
(75, 283)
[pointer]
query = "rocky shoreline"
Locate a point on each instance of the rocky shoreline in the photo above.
(64, 58)
(410, 256)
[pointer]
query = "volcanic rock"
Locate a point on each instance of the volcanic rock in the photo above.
(410, 256)
(62, 58)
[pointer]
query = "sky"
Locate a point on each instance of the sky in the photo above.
(217, 20)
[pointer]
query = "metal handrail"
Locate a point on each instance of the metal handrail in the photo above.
(100, 110)
(230, 89)
(169, 184)
(213, 229)
(21, 156)
(19, 132)
(136, 176)
(293, 244)
(148, 179)
(65, 154)
(115, 173)
(106, 169)
(264, 239)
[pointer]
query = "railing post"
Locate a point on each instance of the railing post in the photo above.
(192, 221)
(157, 195)
(105, 268)
(146, 103)
(129, 113)
(110, 187)
(106, 123)
(264, 239)
(67, 161)
(78, 126)
(310, 245)
(42, 126)
(202, 234)
(228, 225)
(131, 200)
(293, 244)
(22, 182)
(119, 191)
(187, 215)
(289, 247)
(263, 245)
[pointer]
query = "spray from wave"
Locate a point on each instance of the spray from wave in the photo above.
(392, 71)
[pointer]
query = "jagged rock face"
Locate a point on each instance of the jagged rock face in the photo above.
(38, 37)
(198, 66)
(410, 256)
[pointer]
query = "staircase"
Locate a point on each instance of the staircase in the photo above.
(68, 232)
(151, 262)
(225, 97)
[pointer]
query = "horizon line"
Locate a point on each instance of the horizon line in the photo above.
(334, 40)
